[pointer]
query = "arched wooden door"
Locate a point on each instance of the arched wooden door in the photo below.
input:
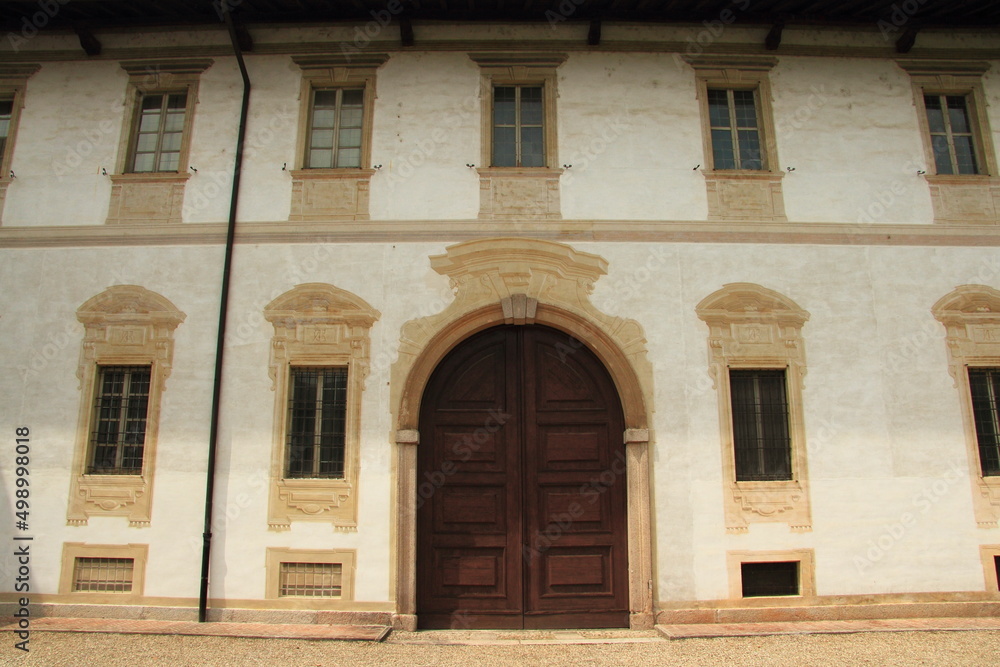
(521, 519)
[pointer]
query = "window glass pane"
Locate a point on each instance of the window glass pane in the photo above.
(718, 108)
(531, 106)
(350, 138)
(503, 105)
(350, 117)
(320, 158)
(745, 109)
(504, 147)
(957, 116)
(935, 117)
(942, 154)
(146, 143)
(171, 142)
(149, 122)
(322, 139)
(169, 161)
(323, 118)
(349, 158)
(325, 99)
(151, 102)
(353, 97)
(174, 122)
(177, 101)
(964, 155)
(750, 150)
(723, 155)
(144, 162)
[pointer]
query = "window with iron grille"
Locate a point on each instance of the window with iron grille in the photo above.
(518, 126)
(996, 566)
(6, 113)
(103, 575)
(952, 140)
(159, 131)
(335, 128)
(767, 579)
(317, 415)
(760, 425)
(321, 580)
(733, 122)
(984, 384)
(119, 425)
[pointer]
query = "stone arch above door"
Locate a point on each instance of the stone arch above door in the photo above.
(524, 281)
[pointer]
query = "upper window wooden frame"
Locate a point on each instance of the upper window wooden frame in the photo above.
(318, 326)
(754, 328)
(519, 71)
(126, 325)
(154, 79)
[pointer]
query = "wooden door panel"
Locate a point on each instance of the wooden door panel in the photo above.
(576, 572)
(573, 447)
(471, 509)
(563, 509)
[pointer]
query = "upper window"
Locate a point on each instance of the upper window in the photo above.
(984, 386)
(159, 129)
(119, 420)
(761, 438)
(335, 128)
(518, 126)
(317, 416)
(13, 79)
(733, 118)
(951, 134)
(6, 114)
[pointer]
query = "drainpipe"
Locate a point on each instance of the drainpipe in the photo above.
(213, 437)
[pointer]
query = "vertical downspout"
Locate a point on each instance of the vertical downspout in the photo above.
(213, 437)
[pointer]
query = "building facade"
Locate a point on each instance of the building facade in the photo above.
(523, 330)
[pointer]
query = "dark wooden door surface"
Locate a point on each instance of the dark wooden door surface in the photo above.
(521, 518)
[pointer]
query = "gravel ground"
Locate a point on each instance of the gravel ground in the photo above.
(886, 648)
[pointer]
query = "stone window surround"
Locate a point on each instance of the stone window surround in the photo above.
(971, 317)
(139, 553)
(988, 552)
(519, 192)
(958, 198)
(156, 196)
(752, 327)
(13, 81)
(316, 324)
(334, 193)
(523, 281)
(730, 190)
(346, 558)
(125, 325)
(807, 572)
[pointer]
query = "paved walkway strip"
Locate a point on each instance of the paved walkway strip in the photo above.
(827, 627)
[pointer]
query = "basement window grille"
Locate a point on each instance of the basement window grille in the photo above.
(770, 579)
(317, 580)
(103, 575)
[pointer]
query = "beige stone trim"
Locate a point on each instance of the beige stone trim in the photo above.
(316, 324)
(139, 553)
(123, 325)
(740, 194)
(971, 317)
(278, 555)
(334, 194)
(156, 197)
(507, 193)
(989, 553)
(450, 231)
(753, 327)
(13, 81)
(965, 199)
(807, 571)
(559, 280)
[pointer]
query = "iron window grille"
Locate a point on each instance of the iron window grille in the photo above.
(735, 129)
(103, 575)
(317, 415)
(760, 425)
(310, 580)
(159, 130)
(984, 384)
(952, 140)
(335, 128)
(770, 579)
(518, 126)
(119, 430)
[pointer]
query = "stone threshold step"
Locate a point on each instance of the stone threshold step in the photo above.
(707, 630)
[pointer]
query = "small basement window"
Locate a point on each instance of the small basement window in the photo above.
(770, 579)
(103, 575)
(311, 580)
